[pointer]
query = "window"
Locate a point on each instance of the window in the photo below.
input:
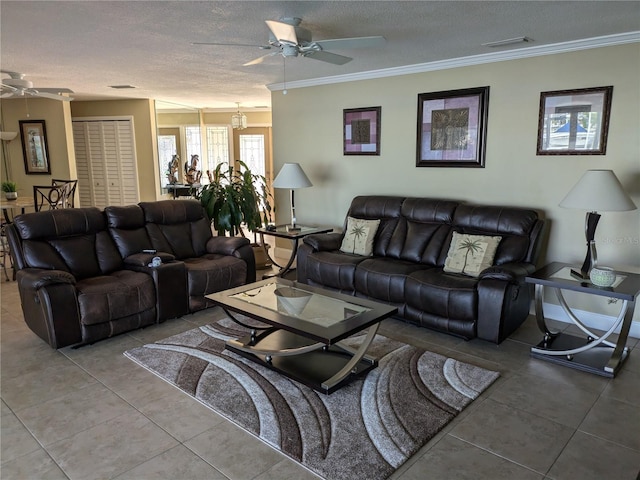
(252, 153)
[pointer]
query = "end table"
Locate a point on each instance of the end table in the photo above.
(282, 231)
(594, 353)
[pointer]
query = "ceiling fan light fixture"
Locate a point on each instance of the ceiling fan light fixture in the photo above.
(239, 119)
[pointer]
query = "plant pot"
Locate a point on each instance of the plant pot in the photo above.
(262, 260)
(11, 195)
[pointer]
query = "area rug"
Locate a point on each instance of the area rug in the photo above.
(367, 429)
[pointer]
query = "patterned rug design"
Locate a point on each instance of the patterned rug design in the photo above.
(364, 430)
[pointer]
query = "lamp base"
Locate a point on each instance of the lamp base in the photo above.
(292, 228)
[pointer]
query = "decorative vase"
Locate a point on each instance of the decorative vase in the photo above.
(602, 276)
(11, 195)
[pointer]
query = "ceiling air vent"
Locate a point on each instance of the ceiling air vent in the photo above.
(121, 87)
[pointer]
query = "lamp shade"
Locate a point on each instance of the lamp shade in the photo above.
(291, 175)
(598, 190)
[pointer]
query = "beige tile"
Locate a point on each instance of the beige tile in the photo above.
(178, 463)
(180, 415)
(613, 420)
(510, 355)
(523, 438)
(625, 387)
(153, 333)
(452, 458)
(547, 398)
(35, 465)
(570, 377)
(234, 452)
(591, 458)
(16, 439)
(51, 381)
(287, 470)
(111, 448)
(67, 415)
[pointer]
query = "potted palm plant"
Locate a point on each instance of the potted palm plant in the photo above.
(236, 197)
(10, 189)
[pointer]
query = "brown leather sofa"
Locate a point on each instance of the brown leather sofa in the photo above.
(409, 252)
(83, 276)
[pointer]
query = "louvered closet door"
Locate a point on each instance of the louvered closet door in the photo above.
(106, 162)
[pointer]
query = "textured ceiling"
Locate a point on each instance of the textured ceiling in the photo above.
(88, 45)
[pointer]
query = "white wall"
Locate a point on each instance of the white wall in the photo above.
(308, 130)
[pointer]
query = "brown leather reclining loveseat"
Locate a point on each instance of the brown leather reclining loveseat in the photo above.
(408, 265)
(83, 274)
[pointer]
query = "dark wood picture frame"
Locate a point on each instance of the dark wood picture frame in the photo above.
(34, 147)
(452, 128)
(574, 122)
(361, 131)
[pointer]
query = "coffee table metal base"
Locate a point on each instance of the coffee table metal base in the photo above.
(321, 367)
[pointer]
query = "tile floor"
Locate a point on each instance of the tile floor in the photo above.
(91, 413)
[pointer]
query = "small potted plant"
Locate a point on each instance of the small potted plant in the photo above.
(10, 190)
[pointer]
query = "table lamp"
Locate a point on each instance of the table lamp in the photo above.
(597, 190)
(292, 176)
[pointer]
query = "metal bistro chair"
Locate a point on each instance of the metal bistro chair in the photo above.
(51, 197)
(70, 190)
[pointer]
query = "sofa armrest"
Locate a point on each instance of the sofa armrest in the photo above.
(37, 278)
(509, 272)
(324, 241)
(143, 259)
(50, 305)
(226, 245)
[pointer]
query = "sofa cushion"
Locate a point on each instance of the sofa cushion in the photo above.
(471, 254)
(211, 273)
(110, 297)
(359, 236)
(333, 269)
(384, 278)
(443, 294)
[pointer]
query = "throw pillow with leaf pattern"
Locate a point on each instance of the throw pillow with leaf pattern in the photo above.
(470, 254)
(359, 235)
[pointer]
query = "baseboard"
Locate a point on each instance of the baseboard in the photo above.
(596, 321)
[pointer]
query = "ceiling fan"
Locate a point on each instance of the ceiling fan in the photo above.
(17, 87)
(291, 40)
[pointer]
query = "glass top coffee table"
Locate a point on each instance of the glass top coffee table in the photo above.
(305, 326)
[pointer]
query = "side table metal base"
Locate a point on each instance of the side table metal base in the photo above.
(594, 360)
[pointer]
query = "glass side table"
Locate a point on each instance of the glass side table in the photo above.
(591, 353)
(282, 231)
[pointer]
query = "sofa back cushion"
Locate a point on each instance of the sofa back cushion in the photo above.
(516, 226)
(74, 240)
(127, 228)
(422, 230)
(179, 227)
(387, 209)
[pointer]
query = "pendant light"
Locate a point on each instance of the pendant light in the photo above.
(239, 120)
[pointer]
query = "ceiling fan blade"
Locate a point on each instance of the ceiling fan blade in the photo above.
(7, 95)
(263, 47)
(283, 31)
(52, 96)
(327, 57)
(258, 60)
(355, 42)
(54, 90)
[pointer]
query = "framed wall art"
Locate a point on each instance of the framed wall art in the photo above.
(362, 131)
(452, 128)
(34, 147)
(574, 122)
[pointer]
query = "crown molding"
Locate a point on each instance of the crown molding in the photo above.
(513, 54)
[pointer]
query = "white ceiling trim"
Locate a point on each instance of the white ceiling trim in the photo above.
(515, 54)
